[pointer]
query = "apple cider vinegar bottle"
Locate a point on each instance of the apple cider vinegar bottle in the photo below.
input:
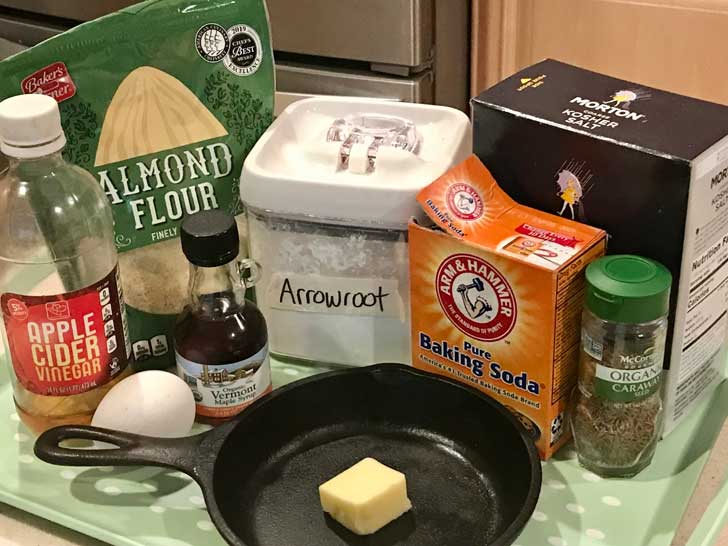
(64, 326)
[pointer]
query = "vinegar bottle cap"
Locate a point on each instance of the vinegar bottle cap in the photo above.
(30, 126)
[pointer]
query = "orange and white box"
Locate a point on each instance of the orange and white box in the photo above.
(496, 293)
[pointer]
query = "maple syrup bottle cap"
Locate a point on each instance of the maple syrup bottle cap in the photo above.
(210, 238)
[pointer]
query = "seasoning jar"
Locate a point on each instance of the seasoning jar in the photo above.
(617, 418)
(221, 340)
(329, 191)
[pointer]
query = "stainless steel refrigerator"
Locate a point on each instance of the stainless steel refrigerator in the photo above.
(410, 50)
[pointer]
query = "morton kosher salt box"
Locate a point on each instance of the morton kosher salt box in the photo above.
(496, 295)
(649, 167)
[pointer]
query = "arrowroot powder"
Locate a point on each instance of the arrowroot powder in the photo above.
(329, 189)
(333, 294)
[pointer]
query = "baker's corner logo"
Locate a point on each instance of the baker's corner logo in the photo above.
(52, 80)
(464, 201)
(618, 103)
(476, 297)
(573, 181)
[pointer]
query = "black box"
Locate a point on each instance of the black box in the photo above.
(648, 166)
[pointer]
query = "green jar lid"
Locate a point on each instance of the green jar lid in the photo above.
(629, 289)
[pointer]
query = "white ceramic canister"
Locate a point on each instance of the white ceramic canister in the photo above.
(329, 190)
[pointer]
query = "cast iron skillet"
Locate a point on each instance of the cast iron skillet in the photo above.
(473, 474)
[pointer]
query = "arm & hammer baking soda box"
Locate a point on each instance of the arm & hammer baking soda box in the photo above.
(496, 292)
(649, 167)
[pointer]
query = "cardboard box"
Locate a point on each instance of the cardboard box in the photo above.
(496, 297)
(649, 167)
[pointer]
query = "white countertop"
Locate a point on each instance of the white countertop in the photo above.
(19, 528)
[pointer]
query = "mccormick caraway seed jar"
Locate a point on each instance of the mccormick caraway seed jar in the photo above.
(329, 189)
(618, 406)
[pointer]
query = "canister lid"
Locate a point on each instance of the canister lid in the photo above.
(210, 238)
(628, 289)
(355, 161)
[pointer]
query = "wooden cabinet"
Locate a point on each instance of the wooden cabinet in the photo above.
(678, 45)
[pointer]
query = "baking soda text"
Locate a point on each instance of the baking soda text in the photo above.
(453, 353)
(444, 217)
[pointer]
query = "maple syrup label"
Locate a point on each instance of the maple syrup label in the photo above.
(68, 343)
(224, 390)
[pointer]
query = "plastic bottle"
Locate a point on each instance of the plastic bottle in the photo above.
(617, 417)
(64, 325)
(221, 340)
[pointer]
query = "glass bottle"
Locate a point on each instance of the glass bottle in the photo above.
(617, 417)
(64, 325)
(221, 340)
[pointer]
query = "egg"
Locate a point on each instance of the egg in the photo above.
(150, 403)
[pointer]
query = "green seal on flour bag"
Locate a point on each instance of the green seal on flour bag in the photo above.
(161, 102)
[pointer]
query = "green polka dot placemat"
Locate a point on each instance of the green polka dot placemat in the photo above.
(154, 507)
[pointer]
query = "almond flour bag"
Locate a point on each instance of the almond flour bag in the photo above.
(161, 102)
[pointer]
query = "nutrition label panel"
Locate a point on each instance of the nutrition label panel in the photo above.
(701, 326)
(567, 332)
(566, 340)
(704, 330)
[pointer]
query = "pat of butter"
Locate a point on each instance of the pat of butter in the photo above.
(366, 497)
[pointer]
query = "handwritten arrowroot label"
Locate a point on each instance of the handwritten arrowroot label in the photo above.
(335, 295)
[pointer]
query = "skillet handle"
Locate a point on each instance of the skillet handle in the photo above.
(183, 454)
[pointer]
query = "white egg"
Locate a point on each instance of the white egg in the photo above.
(151, 403)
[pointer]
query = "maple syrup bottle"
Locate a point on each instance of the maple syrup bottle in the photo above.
(221, 339)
